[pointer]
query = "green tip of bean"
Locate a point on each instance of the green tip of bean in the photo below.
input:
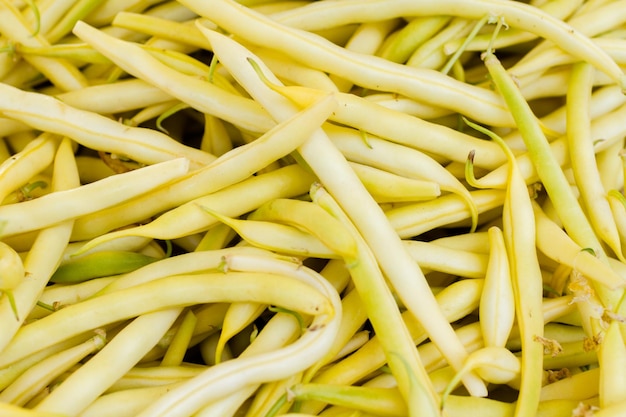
(11, 298)
(100, 264)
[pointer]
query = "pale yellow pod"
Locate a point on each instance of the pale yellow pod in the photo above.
(238, 316)
(36, 378)
(35, 157)
(612, 358)
(497, 304)
(458, 262)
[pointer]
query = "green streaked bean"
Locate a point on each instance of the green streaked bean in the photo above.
(411, 36)
(100, 264)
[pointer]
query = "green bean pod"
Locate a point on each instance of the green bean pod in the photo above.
(100, 264)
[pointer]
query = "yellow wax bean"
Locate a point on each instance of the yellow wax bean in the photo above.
(579, 386)
(414, 219)
(366, 39)
(434, 257)
(400, 128)
(181, 341)
(311, 218)
(132, 58)
(431, 54)
(186, 263)
(560, 9)
(612, 360)
(367, 71)
(88, 382)
(150, 376)
(399, 160)
(386, 187)
(92, 130)
(557, 245)
(497, 303)
(45, 253)
(22, 166)
(110, 97)
(61, 295)
(60, 72)
(456, 301)
(35, 379)
(518, 15)
(583, 159)
(238, 316)
(36, 214)
(15, 411)
(294, 73)
(126, 403)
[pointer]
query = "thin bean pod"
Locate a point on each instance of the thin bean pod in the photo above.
(583, 161)
(497, 302)
(36, 214)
